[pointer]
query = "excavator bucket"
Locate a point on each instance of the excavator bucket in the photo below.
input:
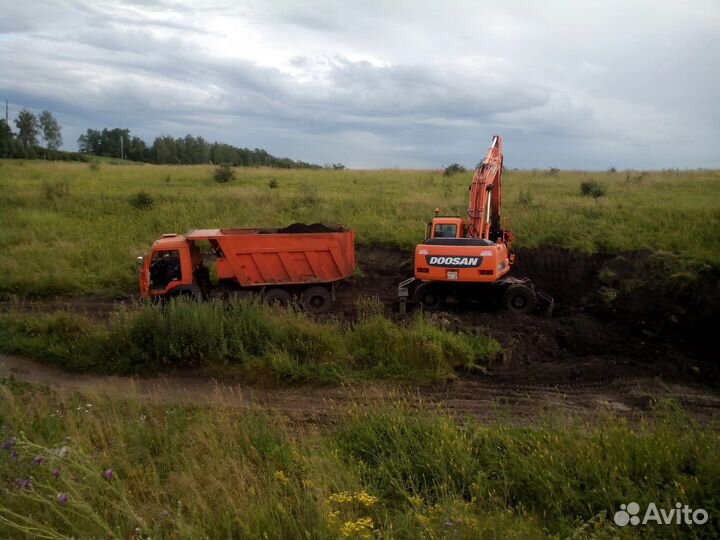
(545, 303)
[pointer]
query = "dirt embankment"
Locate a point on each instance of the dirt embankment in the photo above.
(616, 316)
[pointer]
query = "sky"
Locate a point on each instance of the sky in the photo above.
(371, 84)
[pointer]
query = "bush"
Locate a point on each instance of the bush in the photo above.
(455, 168)
(141, 201)
(592, 188)
(526, 198)
(94, 165)
(57, 190)
(273, 183)
(224, 173)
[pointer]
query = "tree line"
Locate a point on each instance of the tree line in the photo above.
(30, 129)
(186, 150)
(120, 143)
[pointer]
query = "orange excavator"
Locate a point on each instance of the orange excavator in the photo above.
(467, 260)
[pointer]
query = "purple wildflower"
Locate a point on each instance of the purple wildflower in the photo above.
(26, 484)
(38, 460)
(62, 498)
(57, 472)
(108, 474)
(7, 445)
(13, 454)
(164, 514)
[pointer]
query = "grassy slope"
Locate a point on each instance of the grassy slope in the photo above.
(385, 472)
(250, 340)
(67, 228)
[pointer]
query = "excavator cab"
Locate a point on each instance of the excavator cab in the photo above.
(445, 227)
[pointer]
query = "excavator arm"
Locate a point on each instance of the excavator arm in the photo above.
(486, 195)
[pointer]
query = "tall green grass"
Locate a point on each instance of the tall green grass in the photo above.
(247, 339)
(88, 467)
(68, 229)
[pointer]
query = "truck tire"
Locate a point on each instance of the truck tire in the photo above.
(317, 299)
(519, 298)
(278, 297)
(430, 297)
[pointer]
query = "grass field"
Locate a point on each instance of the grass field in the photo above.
(68, 228)
(87, 467)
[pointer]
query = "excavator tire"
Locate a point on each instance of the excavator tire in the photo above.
(317, 299)
(429, 297)
(278, 297)
(519, 298)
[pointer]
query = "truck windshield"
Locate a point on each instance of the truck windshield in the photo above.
(164, 268)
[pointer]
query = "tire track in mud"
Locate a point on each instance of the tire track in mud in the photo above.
(462, 397)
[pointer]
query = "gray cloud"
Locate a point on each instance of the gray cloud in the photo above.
(383, 85)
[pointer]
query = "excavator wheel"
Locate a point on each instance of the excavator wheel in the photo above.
(278, 297)
(317, 299)
(519, 298)
(430, 298)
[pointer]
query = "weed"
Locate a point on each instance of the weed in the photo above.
(453, 169)
(592, 188)
(273, 183)
(224, 173)
(141, 201)
(55, 190)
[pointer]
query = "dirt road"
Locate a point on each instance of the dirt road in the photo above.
(482, 399)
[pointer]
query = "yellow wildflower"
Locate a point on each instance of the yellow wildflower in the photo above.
(340, 498)
(364, 498)
(281, 477)
(361, 528)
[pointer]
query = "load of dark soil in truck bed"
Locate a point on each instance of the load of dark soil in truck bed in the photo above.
(300, 228)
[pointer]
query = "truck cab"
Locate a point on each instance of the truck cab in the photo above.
(167, 269)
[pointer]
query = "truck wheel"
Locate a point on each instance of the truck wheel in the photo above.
(519, 298)
(277, 297)
(317, 299)
(430, 298)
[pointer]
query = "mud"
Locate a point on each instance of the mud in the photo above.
(616, 316)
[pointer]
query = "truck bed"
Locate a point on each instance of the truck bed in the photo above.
(256, 257)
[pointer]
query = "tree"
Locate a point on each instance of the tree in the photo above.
(51, 130)
(27, 124)
(89, 142)
(6, 140)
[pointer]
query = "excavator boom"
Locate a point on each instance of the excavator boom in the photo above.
(486, 195)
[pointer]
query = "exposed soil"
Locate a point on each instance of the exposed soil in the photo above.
(300, 228)
(602, 331)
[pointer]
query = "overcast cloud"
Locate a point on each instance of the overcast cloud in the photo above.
(573, 84)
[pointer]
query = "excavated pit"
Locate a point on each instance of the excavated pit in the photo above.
(617, 316)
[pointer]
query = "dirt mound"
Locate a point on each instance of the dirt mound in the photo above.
(302, 228)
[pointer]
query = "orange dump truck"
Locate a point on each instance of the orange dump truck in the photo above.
(301, 261)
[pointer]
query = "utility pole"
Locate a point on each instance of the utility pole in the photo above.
(122, 153)
(7, 121)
